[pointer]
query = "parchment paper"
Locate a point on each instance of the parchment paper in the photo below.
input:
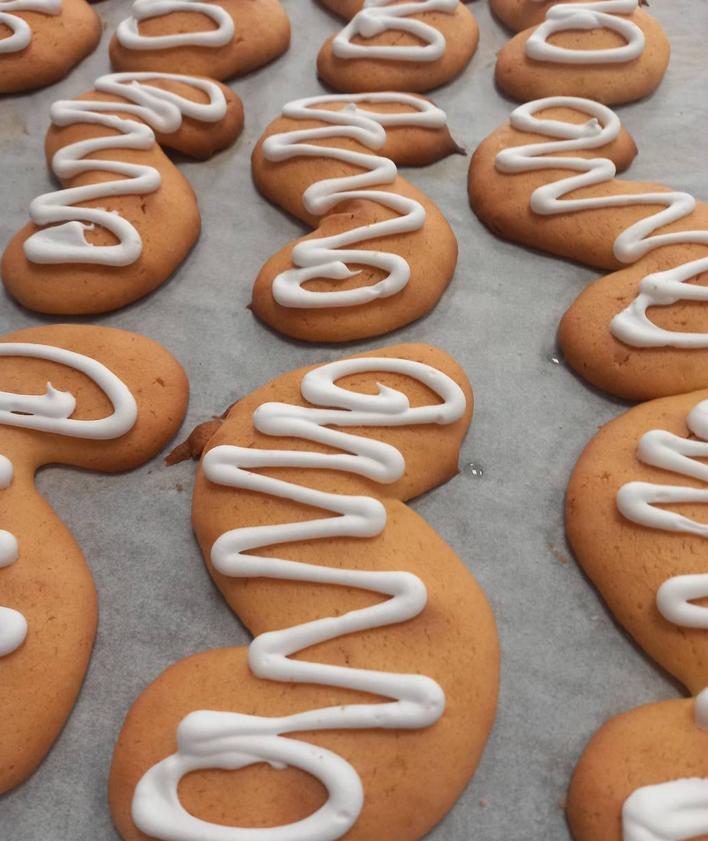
(566, 666)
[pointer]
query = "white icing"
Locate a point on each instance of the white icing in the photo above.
(378, 16)
(128, 31)
(673, 811)
(566, 17)
(631, 326)
(161, 110)
(208, 739)
(20, 31)
(327, 257)
(51, 413)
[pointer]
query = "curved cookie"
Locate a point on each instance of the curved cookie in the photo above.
(635, 516)
(397, 45)
(383, 253)
(612, 51)
(644, 776)
(114, 240)
(546, 180)
(89, 397)
(220, 39)
(41, 40)
(357, 438)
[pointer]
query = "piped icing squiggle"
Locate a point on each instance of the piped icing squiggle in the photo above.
(567, 17)
(632, 326)
(671, 811)
(379, 16)
(20, 31)
(129, 35)
(51, 413)
(638, 502)
(158, 109)
(230, 740)
(327, 257)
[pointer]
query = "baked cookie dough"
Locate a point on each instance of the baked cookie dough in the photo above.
(382, 253)
(397, 45)
(371, 683)
(94, 398)
(126, 217)
(220, 38)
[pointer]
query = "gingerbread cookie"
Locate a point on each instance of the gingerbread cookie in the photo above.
(383, 253)
(644, 776)
(640, 332)
(397, 45)
(220, 39)
(372, 679)
(610, 51)
(102, 241)
(95, 398)
(41, 40)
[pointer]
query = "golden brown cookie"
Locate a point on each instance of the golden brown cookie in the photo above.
(41, 40)
(220, 39)
(397, 45)
(382, 253)
(644, 776)
(546, 180)
(299, 508)
(95, 398)
(126, 217)
(613, 52)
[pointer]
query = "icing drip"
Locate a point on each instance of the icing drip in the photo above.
(327, 257)
(20, 31)
(161, 110)
(378, 16)
(632, 326)
(51, 413)
(637, 501)
(128, 32)
(230, 740)
(566, 17)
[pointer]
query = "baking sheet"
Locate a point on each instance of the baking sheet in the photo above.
(566, 666)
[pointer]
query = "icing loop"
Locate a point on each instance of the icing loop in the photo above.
(378, 16)
(228, 740)
(21, 32)
(637, 502)
(632, 326)
(51, 413)
(327, 257)
(159, 109)
(566, 17)
(128, 33)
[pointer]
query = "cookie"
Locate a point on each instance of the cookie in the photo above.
(220, 39)
(547, 180)
(126, 217)
(41, 40)
(387, 45)
(612, 51)
(382, 253)
(392, 701)
(94, 398)
(635, 517)
(644, 776)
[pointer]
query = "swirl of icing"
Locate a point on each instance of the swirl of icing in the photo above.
(637, 502)
(566, 17)
(378, 16)
(228, 740)
(128, 33)
(327, 257)
(159, 109)
(51, 412)
(632, 326)
(20, 31)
